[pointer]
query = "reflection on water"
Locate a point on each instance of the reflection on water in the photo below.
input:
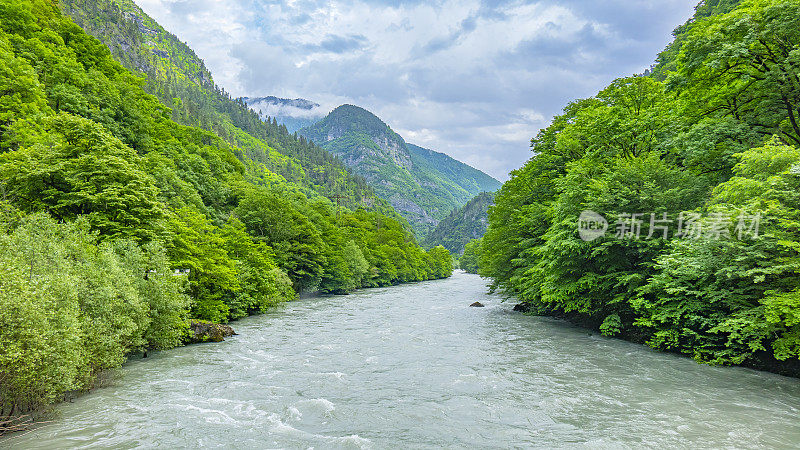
(414, 366)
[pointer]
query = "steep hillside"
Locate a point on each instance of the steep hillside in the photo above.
(422, 185)
(462, 225)
(294, 113)
(180, 80)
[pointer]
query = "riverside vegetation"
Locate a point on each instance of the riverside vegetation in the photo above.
(714, 128)
(118, 224)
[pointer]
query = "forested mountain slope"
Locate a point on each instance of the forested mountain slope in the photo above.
(467, 177)
(695, 174)
(180, 80)
(422, 185)
(462, 225)
(118, 224)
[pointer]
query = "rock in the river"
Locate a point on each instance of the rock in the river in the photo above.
(204, 331)
(522, 307)
(477, 305)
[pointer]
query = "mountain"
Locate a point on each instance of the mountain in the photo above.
(462, 225)
(421, 184)
(293, 113)
(180, 80)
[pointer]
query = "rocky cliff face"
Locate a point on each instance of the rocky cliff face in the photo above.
(136, 40)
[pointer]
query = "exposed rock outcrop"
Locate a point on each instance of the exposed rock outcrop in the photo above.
(522, 307)
(204, 331)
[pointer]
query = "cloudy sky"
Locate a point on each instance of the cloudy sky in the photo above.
(474, 79)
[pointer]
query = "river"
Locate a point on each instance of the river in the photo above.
(413, 366)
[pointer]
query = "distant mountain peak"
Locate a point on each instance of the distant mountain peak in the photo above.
(355, 118)
(299, 103)
(294, 113)
(363, 134)
(421, 184)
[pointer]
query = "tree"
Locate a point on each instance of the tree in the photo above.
(733, 301)
(441, 262)
(744, 65)
(470, 260)
(84, 170)
(261, 283)
(279, 222)
(196, 245)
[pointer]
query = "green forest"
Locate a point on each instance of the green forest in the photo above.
(180, 80)
(710, 134)
(122, 218)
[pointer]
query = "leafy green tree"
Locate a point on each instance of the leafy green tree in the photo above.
(21, 96)
(196, 245)
(261, 283)
(441, 262)
(733, 301)
(356, 263)
(470, 260)
(84, 170)
(597, 278)
(744, 65)
(279, 221)
(70, 308)
(164, 293)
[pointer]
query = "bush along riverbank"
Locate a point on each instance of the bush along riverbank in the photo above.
(118, 225)
(665, 209)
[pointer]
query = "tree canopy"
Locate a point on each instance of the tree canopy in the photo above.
(708, 142)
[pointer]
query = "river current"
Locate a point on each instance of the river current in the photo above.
(414, 366)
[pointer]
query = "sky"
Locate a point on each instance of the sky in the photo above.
(473, 79)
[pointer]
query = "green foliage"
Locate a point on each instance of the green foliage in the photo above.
(196, 245)
(278, 221)
(70, 308)
(470, 260)
(261, 283)
(737, 297)
(611, 325)
(744, 65)
(83, 170)
(440, 261)
(713, 131)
